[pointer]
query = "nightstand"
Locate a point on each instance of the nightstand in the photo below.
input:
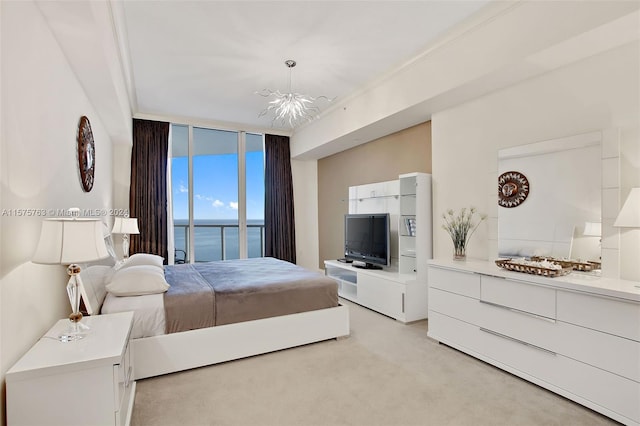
(86, 382)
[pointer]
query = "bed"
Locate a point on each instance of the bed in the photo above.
(188, 316)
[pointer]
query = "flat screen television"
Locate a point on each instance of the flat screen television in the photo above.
(366, 240)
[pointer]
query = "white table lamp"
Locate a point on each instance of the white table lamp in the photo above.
(70, 242)
(125, 226)
(592, 229)
(629, 216)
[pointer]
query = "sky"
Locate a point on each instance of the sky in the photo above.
(215, 181)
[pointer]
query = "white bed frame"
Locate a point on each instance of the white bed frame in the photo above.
(174, 352)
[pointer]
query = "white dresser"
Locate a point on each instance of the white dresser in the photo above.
(86, 382)
(577, 335)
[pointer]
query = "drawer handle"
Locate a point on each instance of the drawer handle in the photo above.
(518, 311)
(517, 340)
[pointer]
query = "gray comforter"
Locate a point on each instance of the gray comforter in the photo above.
(216, 293)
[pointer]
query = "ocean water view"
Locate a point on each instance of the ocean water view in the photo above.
(210, 234)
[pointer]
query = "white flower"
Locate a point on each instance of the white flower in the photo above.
(461, 226)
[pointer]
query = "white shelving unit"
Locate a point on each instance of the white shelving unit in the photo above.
(347, 279)
(415, 243)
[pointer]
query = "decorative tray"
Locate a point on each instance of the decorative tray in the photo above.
(576, 265)
(511, 265)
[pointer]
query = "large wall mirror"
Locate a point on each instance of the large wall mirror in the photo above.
(561, 214)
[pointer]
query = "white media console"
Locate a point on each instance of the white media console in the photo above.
(400, 296)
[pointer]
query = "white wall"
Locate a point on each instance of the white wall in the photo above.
(506, 42)
(600, 92)
(42, 102)
(305, 198)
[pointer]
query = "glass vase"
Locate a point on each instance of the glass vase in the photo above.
(460, 253)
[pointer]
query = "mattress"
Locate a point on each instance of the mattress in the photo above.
(148, 319)
(216, 293)
(225, 292)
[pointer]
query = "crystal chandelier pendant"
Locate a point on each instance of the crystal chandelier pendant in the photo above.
(290, 108)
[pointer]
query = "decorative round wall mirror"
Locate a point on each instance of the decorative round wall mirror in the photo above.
(513, 189)
(86, 154)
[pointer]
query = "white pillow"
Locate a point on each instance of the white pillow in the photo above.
(92, 281)
(142, 259)
(137, 281)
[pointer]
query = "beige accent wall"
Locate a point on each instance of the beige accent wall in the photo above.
(383, 159)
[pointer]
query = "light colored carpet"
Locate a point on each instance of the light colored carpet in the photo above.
(385, 373)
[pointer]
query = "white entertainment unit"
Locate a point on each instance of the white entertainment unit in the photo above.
(389, 292)
(576, 335)
(400, 290)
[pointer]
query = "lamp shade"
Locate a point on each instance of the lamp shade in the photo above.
(68, 241)
(125, 225)
(592, 229)
(629, 216)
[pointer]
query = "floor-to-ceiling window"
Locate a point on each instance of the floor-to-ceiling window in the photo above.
(217, 186)
(254, 161)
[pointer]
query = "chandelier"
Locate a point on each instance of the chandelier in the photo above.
(290, 107)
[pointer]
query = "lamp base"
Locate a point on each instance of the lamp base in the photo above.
(125, 246)
(75, 331)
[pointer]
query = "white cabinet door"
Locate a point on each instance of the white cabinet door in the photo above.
(381, 295)
(380, 197)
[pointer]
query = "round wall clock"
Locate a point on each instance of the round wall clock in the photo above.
(513, 189)
(86, 154)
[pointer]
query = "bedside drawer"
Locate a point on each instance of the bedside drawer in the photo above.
(617, 317)
(464, 283)
(123, 377)
(520, 296)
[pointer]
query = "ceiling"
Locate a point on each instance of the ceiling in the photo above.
(206, 60)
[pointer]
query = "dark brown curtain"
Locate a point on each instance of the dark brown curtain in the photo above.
(280, 234)
(148, 193)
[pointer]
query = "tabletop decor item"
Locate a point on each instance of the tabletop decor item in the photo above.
(543, 268)
(460, 227)
(576, 265)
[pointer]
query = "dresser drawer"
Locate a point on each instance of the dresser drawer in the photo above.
(464, 283)
(520, 325)
(606, 351)
(518, 295)
(586, 384)
(617, 317)
(617, 355)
